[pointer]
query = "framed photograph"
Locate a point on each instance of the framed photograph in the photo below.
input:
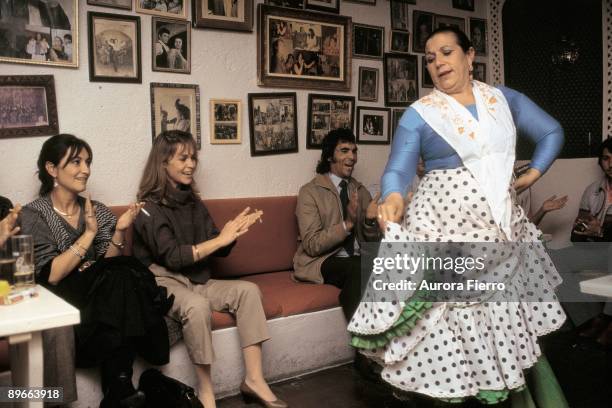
(368, 84)
(401, 79)
(296, 4)
(40, 32)
(327, 113)
(163, 8)
(464, 5)
(399, 15)
(234, 15)
(114, 48)
(480, 71)
(373, 125)
(175, 107)
(448, 21)
(400, 41)
(478, 35)
(368, 2)
(303, 49)
(171, 45)
(396, 116)
(27, 106)
(368, 41)
(118, 4)
(422, 26)
(330, 6)
(273, 123)
(225, 121)
(426, 81)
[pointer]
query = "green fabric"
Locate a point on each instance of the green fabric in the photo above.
(546, 390)
(411, 313)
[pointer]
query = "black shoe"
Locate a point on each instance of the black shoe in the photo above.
(121, 393)
(367, 368)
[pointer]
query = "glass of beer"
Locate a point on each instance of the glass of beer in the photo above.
(22, 248)
(7, 263)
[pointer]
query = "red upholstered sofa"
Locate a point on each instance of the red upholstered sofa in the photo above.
(263, 256)
(307, 326)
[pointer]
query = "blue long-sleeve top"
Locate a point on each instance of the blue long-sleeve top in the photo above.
(414, 138)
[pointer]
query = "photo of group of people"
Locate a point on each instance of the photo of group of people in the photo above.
(225, 121)
(326, 113)
(401, 87)
(273, 123)
(301, 48)
(27, 105)
(39, 32)
(23, 107)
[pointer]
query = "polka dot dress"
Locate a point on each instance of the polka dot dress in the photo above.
(456, 349)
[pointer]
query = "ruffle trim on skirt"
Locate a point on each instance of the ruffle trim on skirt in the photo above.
(412, 312)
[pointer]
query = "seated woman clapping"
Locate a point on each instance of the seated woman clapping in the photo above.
(78, 245)
(174, 235)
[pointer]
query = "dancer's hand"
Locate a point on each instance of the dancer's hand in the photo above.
(526, 180)
(390, 210)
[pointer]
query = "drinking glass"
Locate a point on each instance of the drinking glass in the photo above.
(23, 253)
(7, 262)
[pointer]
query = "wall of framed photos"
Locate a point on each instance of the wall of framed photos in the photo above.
(115, 118)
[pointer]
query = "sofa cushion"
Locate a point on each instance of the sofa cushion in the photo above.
(268, 246)
(294, 297)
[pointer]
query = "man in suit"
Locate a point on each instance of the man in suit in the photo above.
(336, 215)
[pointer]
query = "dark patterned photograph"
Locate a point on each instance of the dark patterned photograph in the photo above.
(450, 21)
(397, 115)
(401, 79)
(478, 35)
(464, 5)
(399, 15)
(373, 125)
(368, 84)
(273, 123)
(27, 106)
(422, 26)
(480, 71)
(399, 41)
(164, 8)
(426, 81)
(327, 113)
(297, 4)
(368, 41)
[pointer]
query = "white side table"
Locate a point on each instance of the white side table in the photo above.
(23, 323)
(599, 286)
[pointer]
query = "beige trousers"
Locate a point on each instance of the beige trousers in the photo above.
(194, 304)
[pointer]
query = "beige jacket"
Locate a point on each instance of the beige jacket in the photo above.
(319, 214)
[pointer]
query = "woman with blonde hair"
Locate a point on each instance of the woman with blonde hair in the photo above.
(175, 236)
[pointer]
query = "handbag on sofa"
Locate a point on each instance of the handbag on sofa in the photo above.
(165, 392)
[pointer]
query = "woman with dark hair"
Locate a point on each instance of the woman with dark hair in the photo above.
(174, 236)
(465, 343)
(77, 246)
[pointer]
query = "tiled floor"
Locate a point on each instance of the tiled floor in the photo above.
(583, 369)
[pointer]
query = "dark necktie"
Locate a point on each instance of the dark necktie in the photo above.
(349, 242)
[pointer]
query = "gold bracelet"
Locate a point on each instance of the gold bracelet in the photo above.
(118, 245)
(76, 252)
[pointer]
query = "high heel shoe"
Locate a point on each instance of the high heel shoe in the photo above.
(249, 395)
